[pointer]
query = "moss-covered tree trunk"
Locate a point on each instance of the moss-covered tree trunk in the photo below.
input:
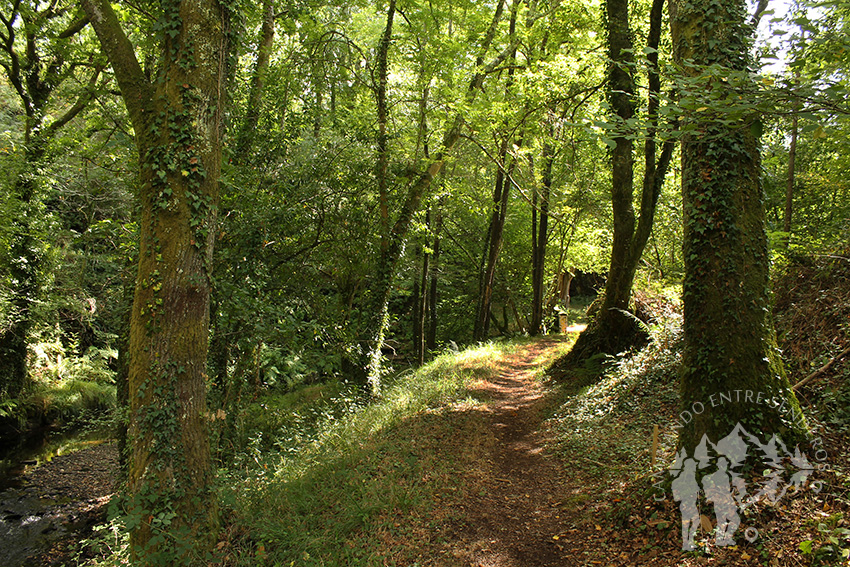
(618, 287)
(729, 338)
(170, 506)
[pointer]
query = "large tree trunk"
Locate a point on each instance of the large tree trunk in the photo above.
(177, 120)
(729, 338)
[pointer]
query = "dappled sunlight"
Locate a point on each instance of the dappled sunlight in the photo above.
(433, 435)
(607, 426)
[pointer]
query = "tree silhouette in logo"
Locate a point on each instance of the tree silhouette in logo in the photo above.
(716, 468)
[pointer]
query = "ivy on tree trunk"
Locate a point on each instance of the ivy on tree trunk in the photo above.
(730, 343)
(170, 506)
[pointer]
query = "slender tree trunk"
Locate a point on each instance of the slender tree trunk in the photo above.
(501, 191)
(178, 121)
(122, 375)
(729, 337)
(431, 338)
(502, 327)
(248, 128)
(614, 329)
(517, 319)
(422, 308)
(392, 247)
(539, 238)
(789, 188)
(534, 327)
(493, 247)
(415, 311)
(382, 164)
(560, 269)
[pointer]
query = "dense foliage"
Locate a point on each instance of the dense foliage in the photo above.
(368, 184)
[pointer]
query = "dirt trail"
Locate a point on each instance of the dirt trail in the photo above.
(516, 517)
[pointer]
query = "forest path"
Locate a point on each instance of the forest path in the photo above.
(514, 514)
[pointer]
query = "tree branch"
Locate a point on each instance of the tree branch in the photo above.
(822, 370)
(13, 71)
(49, 12)
(75, 27)
(498, 163)
(82, 101)
(135, 88)
(760, 9)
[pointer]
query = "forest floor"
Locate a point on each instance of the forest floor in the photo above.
(527, 506)
(524, 506)
(55, 505)
(480, 480)
(515, 514)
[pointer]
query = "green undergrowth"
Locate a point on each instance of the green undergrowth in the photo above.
(66, 389)
(354, 483)
(610, 407)
(603, 430)
(812, 313)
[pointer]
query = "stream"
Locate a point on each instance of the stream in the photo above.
(53, 487)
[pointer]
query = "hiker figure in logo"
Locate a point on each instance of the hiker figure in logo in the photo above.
(718, 489)
(686, 492)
